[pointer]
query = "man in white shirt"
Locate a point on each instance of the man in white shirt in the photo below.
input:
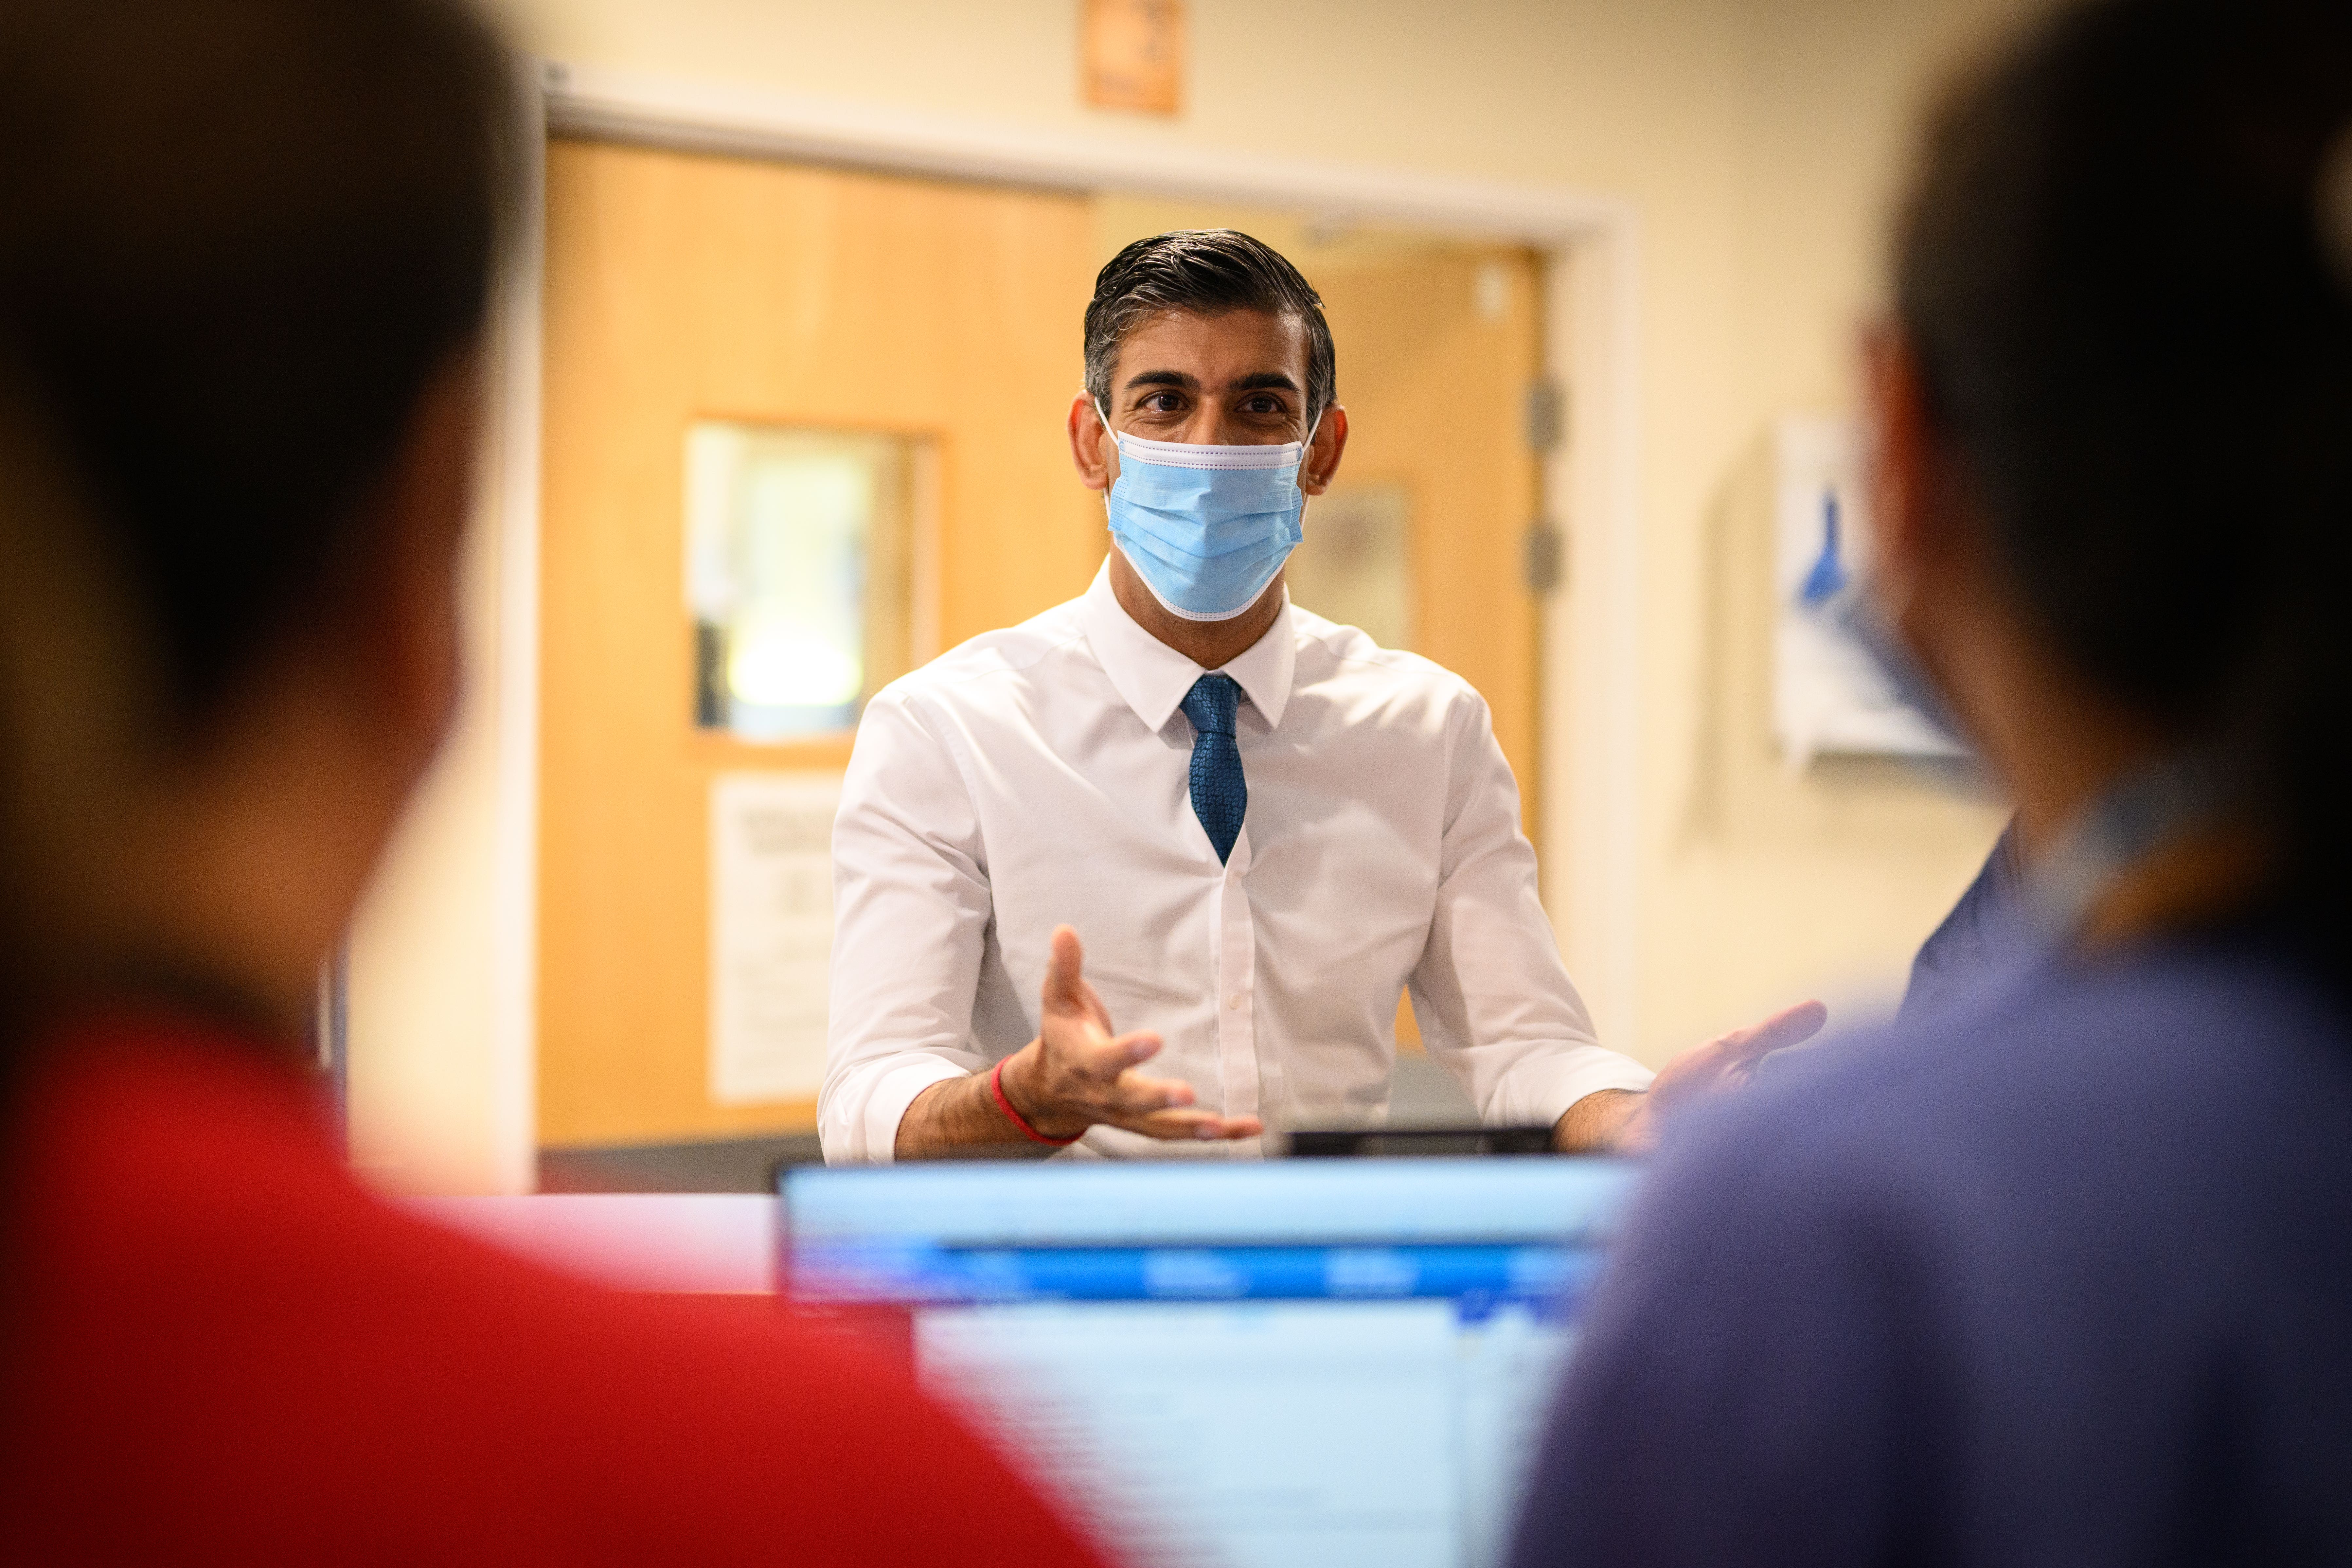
(1265, 826)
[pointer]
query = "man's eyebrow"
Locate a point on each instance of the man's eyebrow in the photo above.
(1257, 381)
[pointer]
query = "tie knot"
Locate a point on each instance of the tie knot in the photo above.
(1212, 703)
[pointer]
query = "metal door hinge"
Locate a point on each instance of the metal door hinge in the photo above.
(1546, 415)
(1544, 558)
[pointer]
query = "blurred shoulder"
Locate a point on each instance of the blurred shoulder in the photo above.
(713, 1423)
(226, 1329)
(2059, 1089)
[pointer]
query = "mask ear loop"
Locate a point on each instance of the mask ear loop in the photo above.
(1307, 447)
(1107, 485)
(1114, 442)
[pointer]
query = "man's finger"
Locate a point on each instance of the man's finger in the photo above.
(1789, 1026)
(1090, 1006)
(1105, 1059)
(1192, 1126)
(1135, 1095)
(1065, 989)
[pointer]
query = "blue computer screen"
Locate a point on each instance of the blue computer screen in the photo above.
(1286, 1363)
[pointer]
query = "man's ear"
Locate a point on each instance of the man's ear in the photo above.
(1323, 454)
(1090, 445)
(415, 636)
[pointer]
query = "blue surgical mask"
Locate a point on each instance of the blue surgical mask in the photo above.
(1206, 528)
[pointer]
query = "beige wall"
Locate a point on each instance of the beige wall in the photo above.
(440, 1022)
(439, 1098)
(1757, 140)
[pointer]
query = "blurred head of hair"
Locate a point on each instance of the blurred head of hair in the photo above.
(239, 240)
(2124, 278)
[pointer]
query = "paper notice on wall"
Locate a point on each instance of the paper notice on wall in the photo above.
(770, 932)
(1831, 693)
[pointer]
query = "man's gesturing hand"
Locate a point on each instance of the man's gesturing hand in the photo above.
(1077, 1073)
(1627, 1121)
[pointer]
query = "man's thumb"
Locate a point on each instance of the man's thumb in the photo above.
(1065, 975)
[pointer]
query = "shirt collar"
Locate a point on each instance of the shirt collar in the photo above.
(1153, 677)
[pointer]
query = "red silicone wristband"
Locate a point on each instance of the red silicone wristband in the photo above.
(996, 1088)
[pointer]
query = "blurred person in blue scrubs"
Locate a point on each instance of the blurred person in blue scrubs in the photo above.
(2058, 1271)
(1967, 945)
(1264, 826)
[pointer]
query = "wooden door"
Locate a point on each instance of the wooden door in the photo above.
(684, 288)
(1436, 355)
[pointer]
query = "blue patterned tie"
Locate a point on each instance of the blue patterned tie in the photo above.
(1220, 793)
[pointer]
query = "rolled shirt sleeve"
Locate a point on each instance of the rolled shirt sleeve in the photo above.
(911, 911)
(1493, 999)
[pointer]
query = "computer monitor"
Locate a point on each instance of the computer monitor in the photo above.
(1252, 1364)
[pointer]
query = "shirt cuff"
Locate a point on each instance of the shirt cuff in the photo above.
(1538, 1092)
(886, 1107)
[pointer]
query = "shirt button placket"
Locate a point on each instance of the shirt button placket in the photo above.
(1236, 964)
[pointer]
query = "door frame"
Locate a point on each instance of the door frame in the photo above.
(1590, 725)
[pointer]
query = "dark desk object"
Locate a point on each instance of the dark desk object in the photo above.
(1391, 1142)
(704, 1165)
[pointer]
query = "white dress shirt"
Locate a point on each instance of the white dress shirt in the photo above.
(1040, 776)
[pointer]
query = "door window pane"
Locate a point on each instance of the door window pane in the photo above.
(795, 575)
(1354, 564)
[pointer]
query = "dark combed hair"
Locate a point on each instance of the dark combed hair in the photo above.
(2125, 275)
(237, 238)
(1204, 272)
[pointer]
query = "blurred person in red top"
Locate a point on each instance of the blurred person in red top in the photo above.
(245, 251)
